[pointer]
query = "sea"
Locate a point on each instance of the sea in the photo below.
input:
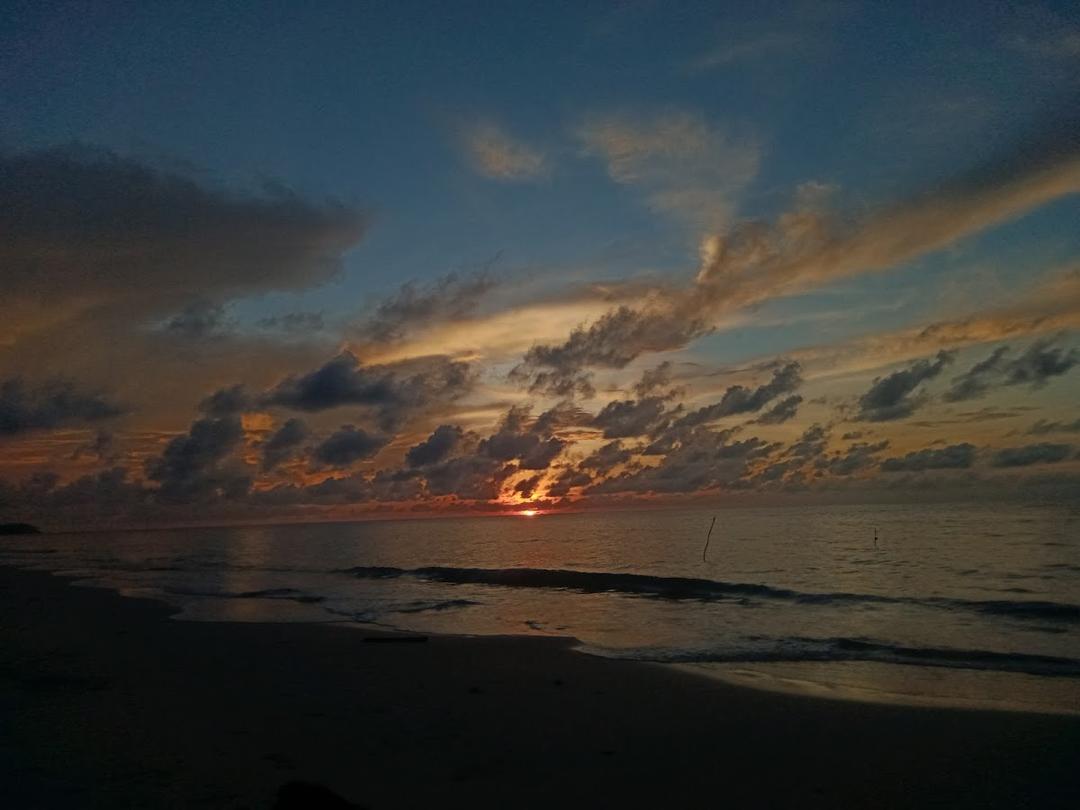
(965, 605)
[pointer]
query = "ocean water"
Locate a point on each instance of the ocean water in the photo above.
(968, 605)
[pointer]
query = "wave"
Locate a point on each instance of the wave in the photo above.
(703, 590)
(840, 650)
(288, 594)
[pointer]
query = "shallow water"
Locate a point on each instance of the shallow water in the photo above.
(956, 604)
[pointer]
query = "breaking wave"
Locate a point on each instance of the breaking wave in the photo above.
(704, 590)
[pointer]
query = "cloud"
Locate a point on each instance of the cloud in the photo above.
(976, 381)
(526, 486)
(347, 446)
(102, 448)
(51, 404)
(198, 321)
(88, 230)
(685, 166)
(783, 411)
(706, 460)
(607, 457)
(954, 457)
(293, 323)
(891, 397)
(495, 154)
(436, 447)
(739, 399)
(569, 478)
(1035, 367)
(420, 306)
(1042, 427)
(769, 44)
(613, 341)
(191, 466)
(227, 401)
(809, 247)
(654, 378)
(516, 440)
(392, 392)
(857, 457)
(472, 477)
(283, 443)
(1039, 362)
(1029, 454)
(623, 418)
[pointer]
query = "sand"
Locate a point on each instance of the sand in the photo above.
(107, 702)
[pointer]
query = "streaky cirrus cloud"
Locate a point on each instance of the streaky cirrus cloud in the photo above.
(807, 248)
(685, 166)
(492, 152)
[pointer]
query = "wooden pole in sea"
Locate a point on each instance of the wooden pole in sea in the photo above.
(708, 537)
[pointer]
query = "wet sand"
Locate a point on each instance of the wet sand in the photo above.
(106, 702)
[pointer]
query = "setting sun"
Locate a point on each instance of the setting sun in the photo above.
(528, 513)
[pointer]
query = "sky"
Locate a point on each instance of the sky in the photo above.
(284, 261)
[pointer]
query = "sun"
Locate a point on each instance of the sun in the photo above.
(529, 513)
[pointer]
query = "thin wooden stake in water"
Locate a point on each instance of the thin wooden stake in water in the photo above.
(708, 537)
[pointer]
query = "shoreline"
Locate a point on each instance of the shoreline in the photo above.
(110, 703)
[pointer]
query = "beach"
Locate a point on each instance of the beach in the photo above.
(107, 702)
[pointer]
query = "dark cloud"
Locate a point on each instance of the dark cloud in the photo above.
(103, 448)
(738, 399)
(228, 401)
(605, 458)
(782, 411)
(977, 380)
(1035, 367)
(1041, 361)
(51, 404)
(85, 225)
(527, 486)
(613, 341)
(562, 415)
(472, 477)
(347, 446)
(517, 440)
(416, 305)
(954, 457)
(631, 417)
(706, 460)
(856, 457)
(436, 447)
(1042, 427)
(391, 392)
(191, 465)
(1029, 454)
(283, 443)
(567, 479)
(891, 397)
(653, 378)
(811, 444)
